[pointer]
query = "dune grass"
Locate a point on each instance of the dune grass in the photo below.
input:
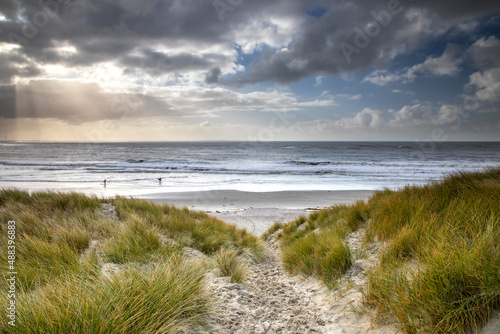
(162, 299)
(439, 268)
(52, 229)
(229, 265)
(61, 287)
(440, 271)
(136, 241)
(190, 228)
(315, 245)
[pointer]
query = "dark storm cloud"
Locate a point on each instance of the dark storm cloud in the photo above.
(213, 76)
(338, 42)
(155, 63)
(458, 9)
(109, 30)
(13, 64)
(104, 30)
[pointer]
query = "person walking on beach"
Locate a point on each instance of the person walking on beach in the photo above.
(159, 180)
(105, 183)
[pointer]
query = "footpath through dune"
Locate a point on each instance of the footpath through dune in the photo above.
(272, 302)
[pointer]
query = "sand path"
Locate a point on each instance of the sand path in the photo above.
(270, 301)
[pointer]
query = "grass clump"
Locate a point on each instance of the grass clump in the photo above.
(52, 230)
(230, 265)
(325, 255)
(193, 229)
(162, 299)
(64, 243)
(275, 227)
(357, 215)
(38, 261)
(440, 269)
(136, 241)
(315, 245)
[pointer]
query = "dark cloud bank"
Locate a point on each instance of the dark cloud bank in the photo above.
(334, 37)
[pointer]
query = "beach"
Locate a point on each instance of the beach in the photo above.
(257, 211)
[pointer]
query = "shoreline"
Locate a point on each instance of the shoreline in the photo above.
(257, 211)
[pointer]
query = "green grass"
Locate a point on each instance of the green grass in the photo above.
(315, 245)
(193, 229)
(136, 241)
(439, 268)
(162, 299)
(60, 285)
(229, 265)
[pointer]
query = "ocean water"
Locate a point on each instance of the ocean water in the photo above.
(134, 168)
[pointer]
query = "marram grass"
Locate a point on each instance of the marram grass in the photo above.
(315, 245)
(60, 287)
(230, 265)
(162, 299)
(439, 269)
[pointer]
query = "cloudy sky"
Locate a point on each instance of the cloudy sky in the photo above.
(153, 70)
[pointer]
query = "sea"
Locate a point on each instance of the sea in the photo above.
(135, 168)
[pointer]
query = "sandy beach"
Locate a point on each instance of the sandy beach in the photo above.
(257, 211)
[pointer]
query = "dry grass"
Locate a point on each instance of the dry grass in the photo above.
(162, 299)
(229, 265)
(439, 271)
(450, 234)
(315, 245)
(60, 285)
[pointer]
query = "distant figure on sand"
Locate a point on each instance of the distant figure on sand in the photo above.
(105, 183)
(159, 180)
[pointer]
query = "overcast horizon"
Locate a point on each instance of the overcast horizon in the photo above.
(222, 70)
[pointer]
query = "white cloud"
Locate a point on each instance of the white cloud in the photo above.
(446, 64)
(399, 91)
(485, 52)
(423, 114)
(367, 118)
(410, 115)
(273, 31)
(319, 80)
(383, 77)
(487, 84)
(317, 103)
(350, 97)
(446, 114)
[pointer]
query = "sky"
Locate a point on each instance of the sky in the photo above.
(164, 70)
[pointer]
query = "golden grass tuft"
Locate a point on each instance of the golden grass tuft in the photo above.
(315, 245)
(439, 270)
(162, 299)
(230, 265)
(60, 285)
